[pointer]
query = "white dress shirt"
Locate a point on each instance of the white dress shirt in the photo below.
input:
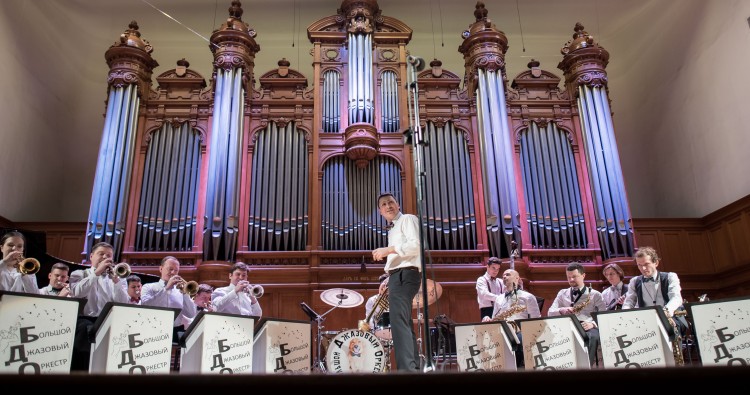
(651, 291)
(612, 293)
(488, 290)
(156, 294)
(226, 300)
(97, 290)
(404, 237)
(12, 280)
(563, 299)
(503, 302)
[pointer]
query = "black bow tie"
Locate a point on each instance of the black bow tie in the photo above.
(575, 292)
(647, 279)
(389, 226)
(508, 294)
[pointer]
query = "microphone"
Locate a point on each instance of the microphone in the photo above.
(417, 62)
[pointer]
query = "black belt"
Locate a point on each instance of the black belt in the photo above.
(394, 271)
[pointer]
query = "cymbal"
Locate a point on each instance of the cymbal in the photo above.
(434, 292)
(342, 297)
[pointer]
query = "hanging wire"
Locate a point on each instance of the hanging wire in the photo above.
(442, 37)
(432, 23)
(216, 9)
(518, 11)
(180, 23)
(294, 22)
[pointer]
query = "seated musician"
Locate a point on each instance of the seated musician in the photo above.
(134, 289)
(655, 288)
(516, 304)
(202, 300)
(580, 301)
(370, 304)
(614, 295)
(58, 281)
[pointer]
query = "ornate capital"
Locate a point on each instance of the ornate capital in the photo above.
(361, 143)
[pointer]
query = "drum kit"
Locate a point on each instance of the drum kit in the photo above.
(351, 350)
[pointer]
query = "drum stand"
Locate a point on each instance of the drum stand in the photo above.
(422, 356)
(320, 363)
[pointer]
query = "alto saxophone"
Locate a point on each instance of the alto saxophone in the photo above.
(578, 307)
(514, 309)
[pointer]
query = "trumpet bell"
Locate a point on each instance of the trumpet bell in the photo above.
(189, 287)
(122, 270)
(29, 266)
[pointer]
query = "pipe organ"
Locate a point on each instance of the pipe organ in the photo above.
(282, 171)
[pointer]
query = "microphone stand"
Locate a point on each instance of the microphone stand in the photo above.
(414, 136)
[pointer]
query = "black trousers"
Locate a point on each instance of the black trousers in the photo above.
(82, 343)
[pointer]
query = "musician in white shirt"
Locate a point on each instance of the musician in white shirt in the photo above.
(98, 286)
(514, 299)
(614, 295)
(581, 301)
(237, 297)
(166, 293)
(489, 287)
(12, 245)
(58, 281)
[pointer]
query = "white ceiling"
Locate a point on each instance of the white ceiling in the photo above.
(54, 73)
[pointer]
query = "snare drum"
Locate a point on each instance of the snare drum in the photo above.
(325, 339)
(383, 326)
(354, 351)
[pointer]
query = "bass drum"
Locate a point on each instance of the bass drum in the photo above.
(354, 351)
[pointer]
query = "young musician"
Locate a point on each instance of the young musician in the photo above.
(580, 301)
(489, 287)
(237, 297)
(11, 279)
(654, 288)
(58, 281)
(614, 295)
(134, 289)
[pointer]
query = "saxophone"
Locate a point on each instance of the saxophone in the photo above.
(514, 309)
(578, 307)
(679, 360)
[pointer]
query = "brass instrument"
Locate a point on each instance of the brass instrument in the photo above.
(121, 270)
(255, 290)
(28, 266)
(188, 287)
(514, 309)
(381, 306)
(578, 307)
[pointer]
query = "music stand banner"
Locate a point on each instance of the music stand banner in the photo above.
(635, 338)
(722, 330)
(218, 343)
(132, 339)
(554, 343)
(489, 346)
(282, 346)
(36, 333)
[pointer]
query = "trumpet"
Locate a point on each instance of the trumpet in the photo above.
(28, 266)
(188, 287)
(121, 270)
(255, 290)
